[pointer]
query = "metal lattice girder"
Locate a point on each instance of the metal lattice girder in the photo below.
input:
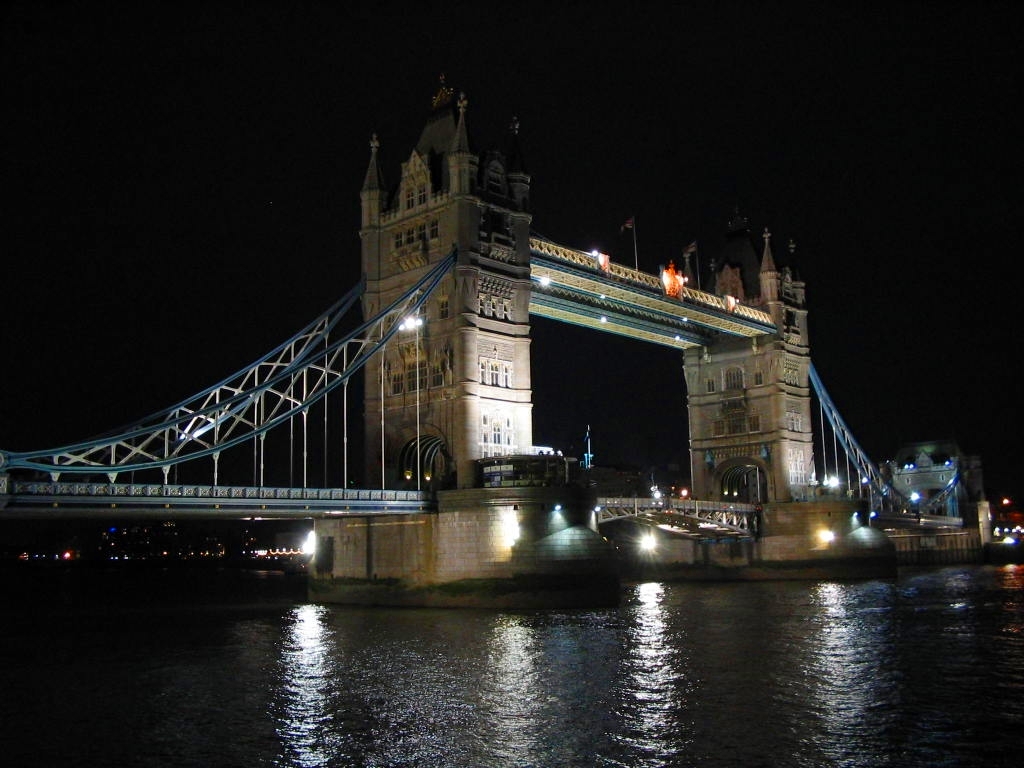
(258, 398)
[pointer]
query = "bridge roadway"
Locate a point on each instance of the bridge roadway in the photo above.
(590, 291)
(43, 500)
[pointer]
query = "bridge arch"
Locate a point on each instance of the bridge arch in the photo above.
(434, 465)
(745, 480)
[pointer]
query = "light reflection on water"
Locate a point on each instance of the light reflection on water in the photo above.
(925, 670)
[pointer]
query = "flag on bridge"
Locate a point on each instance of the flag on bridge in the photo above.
(691, 248)
(627, 225)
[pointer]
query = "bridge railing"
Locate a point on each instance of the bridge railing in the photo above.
(734, 516)
(140, 491)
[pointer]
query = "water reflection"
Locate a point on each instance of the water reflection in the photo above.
(654, 686)
(510, 692)
(307, 680)
(849, 686)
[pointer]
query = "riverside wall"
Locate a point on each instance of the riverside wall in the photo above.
(503, 547)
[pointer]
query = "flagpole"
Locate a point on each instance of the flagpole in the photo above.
(636, 258)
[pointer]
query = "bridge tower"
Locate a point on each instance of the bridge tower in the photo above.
(749, 400)
(456, 386)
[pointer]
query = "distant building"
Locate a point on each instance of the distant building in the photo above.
(938, 477)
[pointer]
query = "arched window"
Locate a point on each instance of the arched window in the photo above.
(734, 379)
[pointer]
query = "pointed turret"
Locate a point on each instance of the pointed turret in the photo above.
(460, 142)
(767, 261)
(462, 163)
(688, 273)
(518, 176)
(769, 278)
(372, 194)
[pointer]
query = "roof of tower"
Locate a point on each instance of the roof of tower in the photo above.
(441, 127)
(739, 251)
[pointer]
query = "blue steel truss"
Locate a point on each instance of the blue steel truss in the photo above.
(305, 368)
(283, 383)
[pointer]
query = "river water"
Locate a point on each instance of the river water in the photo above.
(235, 668)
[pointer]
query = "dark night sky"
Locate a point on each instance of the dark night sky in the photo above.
(183, 193)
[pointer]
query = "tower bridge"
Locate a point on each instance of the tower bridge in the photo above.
(452, 272)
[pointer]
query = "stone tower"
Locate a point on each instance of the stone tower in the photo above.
(456, 387)
(749, 401)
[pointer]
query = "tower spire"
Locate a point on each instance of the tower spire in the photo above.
(767, 261)
(460, 142)
(374, 180)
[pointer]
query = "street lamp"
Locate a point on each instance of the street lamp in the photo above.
(414, 323)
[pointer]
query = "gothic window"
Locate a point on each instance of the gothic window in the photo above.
(755, 423)
(410, 198)
(442, 308)
(795, 464)
(398, 240)
(718, 427)
(497, 437)
(506, 308)
(434, 234)
(734, 379)
(736, 424)
(710, 385)
(436, 374)
(758, 378)
(396, 383)
(421, 232)
(421, 195)
(411, 375)
(410, 236)
(794, 421)
(496, 373)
